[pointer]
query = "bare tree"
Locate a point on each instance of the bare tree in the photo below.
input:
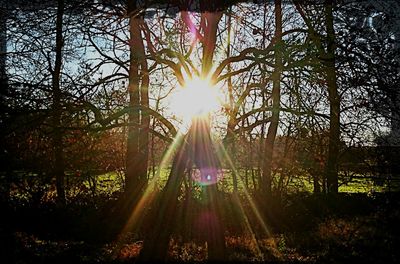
(275, 97)
(57, 111)
(137, 145)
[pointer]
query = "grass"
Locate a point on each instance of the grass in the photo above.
(361, 186)
(294, 184)
(30, 186)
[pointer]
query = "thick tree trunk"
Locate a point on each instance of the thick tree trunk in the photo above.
(203, 155)
(276, 95)
(131, 179)
(197, 149)
(210, 37)
(137, 141)
(214, 231)
(334, 100)
(57, 108)
(155, 246)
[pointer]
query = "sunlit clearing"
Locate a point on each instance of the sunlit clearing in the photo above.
(196, 99)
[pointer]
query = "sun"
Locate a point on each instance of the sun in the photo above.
(197, 98)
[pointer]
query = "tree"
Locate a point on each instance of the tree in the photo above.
(334, 101)
(327, 57)
(56, 108)
(50, 81)
(275, 97)
(191, 151)
(139, 120)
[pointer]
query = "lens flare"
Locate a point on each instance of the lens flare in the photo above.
(207, 176)
(196, 99)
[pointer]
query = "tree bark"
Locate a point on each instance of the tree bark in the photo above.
(145, 118)
(209, 41)
(276, 94)
(203, 155)
(57, 108)
(230, 136)
(155, 246)
(137, 140)
(214, 231)
(334, 101)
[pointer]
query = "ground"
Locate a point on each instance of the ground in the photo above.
(311, 229)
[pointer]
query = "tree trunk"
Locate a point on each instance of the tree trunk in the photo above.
(155, 246)
(204, 157)
(145, 118)
(214, 231)
(334, 101)
(230, 136)
(276, 94)
(57, 108)
(191, 150)
(210, 37)
(316, 185)
(137, 141)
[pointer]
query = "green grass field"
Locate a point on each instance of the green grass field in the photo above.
(32, 186)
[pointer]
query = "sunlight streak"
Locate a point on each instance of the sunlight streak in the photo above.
(248, 226)
(245, 191)
(207, 169)
(150, 192)
(196, 99)
(223, 154)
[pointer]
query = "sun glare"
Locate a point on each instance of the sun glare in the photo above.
(196, 99)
